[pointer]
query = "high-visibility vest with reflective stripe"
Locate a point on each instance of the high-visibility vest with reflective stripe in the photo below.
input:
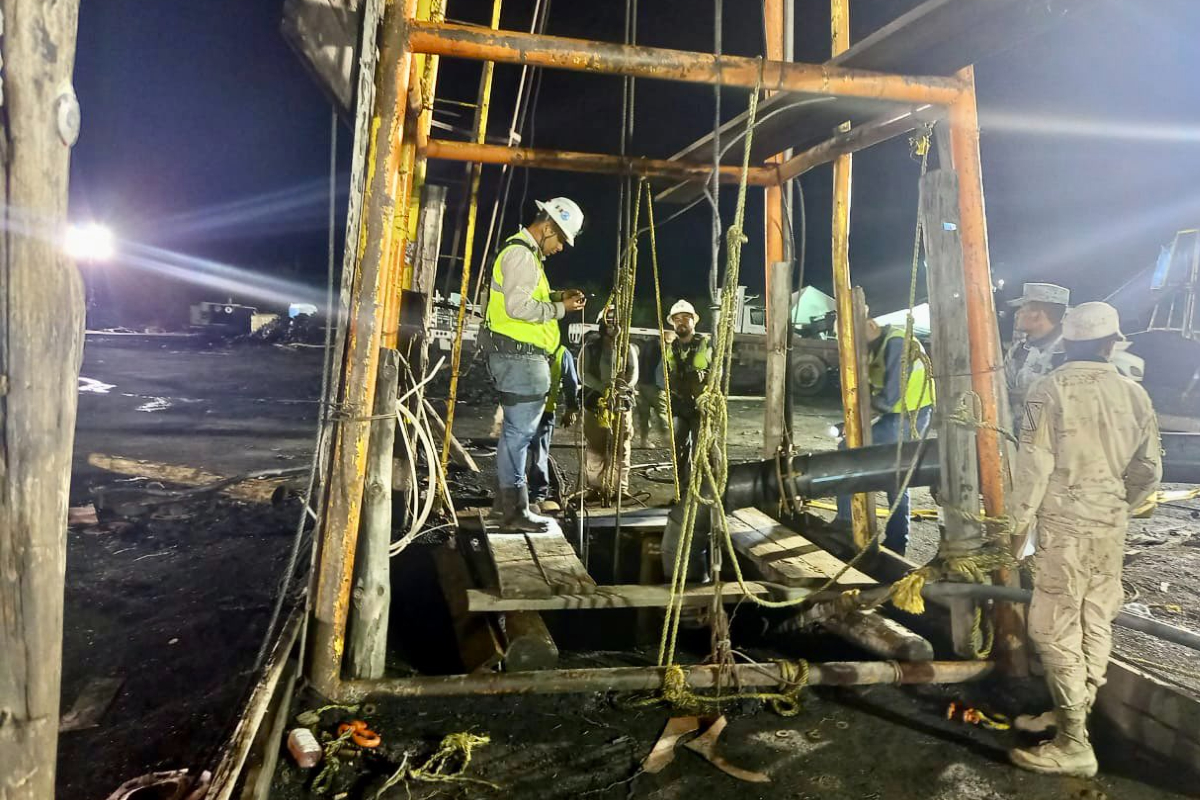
(556, 365)
(917, 394)
(543, 335)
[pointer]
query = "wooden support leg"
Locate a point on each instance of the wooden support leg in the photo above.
(527, 642)
(41, 342)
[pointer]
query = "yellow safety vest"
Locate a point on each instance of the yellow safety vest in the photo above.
(918, 393)
(543, 335)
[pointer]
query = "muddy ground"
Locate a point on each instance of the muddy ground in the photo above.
(177, 606)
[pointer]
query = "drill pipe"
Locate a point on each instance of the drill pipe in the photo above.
(873, 469)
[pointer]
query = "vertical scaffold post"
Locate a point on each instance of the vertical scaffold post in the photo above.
(338, 532)
(986, 357)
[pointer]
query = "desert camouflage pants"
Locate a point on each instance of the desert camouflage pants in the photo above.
(598, 449)
(1076, 596)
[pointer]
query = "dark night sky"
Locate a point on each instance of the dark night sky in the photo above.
(204, 136)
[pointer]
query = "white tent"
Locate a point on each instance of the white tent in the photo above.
(809, 304)
(921, 325)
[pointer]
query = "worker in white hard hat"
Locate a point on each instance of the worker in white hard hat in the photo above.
(1037, 339)
(688, 360)
(1089, 455)
(522, 335)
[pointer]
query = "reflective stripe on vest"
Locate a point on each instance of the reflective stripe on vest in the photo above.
(543, 335)
(916, 394)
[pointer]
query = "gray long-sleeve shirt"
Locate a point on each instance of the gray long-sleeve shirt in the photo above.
(520, 276)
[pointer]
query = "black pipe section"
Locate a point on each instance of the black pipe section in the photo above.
(873, 469)
(833, 472)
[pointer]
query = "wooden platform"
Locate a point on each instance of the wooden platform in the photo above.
(784, 556)
(625, 596)
(537, 565)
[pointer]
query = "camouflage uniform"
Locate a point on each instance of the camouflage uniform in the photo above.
(1089, 454)
(1026, 362)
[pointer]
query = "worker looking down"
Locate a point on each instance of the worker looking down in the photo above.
(607, 411)
(901, 409)
(1037, 348)
(564, 393)
(688, 359)
(1089, 455)
(522, 335)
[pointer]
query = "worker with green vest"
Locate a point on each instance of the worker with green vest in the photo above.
(522, 333)
(902, 410)
(564, 395)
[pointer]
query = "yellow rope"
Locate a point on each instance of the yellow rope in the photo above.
(662, 336)
(678, 693)
(436, 768)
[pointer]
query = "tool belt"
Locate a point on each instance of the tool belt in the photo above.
(493, 342)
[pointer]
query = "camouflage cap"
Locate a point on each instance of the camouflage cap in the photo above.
(1043, 293)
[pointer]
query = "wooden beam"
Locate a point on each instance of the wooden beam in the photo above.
(571, 161)
(478, 641)
(869, 134)
(527, 642)
(41, 341)
(779, 305)
(619, 596)
(372, 598)
(782, 555)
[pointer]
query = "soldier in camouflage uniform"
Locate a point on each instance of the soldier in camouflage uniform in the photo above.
(1037, 348)
(1089, 455)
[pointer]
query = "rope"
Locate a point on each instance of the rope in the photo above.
(662, 336)
(436, 768)
(677, 692)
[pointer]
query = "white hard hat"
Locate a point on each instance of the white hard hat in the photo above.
(567, 215)
(1043, 293)
(684, 307)
(1088, 321)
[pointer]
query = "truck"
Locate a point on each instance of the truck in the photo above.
(814, 348)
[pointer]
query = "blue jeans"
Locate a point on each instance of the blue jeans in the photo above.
(888, 429)
(539, 459)
(526, 376)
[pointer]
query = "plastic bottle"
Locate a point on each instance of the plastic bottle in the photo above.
(304, 748)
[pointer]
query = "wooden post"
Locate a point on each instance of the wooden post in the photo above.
(41, 341)
(338, 534)
(372, 597)
(779, 304)
(961, 534)
(527, 642)
(987, 357)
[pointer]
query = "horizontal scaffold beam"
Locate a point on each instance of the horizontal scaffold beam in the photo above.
(571, 161)
(581, 55)
(644, 679)
(867, 135)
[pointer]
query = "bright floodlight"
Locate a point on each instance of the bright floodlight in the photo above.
(90, 242)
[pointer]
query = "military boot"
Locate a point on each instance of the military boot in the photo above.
(1047, 721)
(518, 517)
(1069, 753)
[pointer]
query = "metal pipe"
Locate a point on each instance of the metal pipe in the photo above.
(481, 122)
(338, 534)
(572, 161)
(986, 357)
(581, 55)
(868, 134)
(642, 679)
(828, 473)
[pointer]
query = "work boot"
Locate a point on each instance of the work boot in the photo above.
(1069, 753)
(1048, 720)
(549, 507)
(518, 517)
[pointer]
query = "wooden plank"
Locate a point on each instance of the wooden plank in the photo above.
(537, 565)
(784, 556)
(621, 596)
(605, 517)
(89, 707)
(41, 328)
(478, 644)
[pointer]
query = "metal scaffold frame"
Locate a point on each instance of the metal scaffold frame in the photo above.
(400, 144)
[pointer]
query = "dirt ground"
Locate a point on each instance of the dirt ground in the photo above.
(176, 607)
